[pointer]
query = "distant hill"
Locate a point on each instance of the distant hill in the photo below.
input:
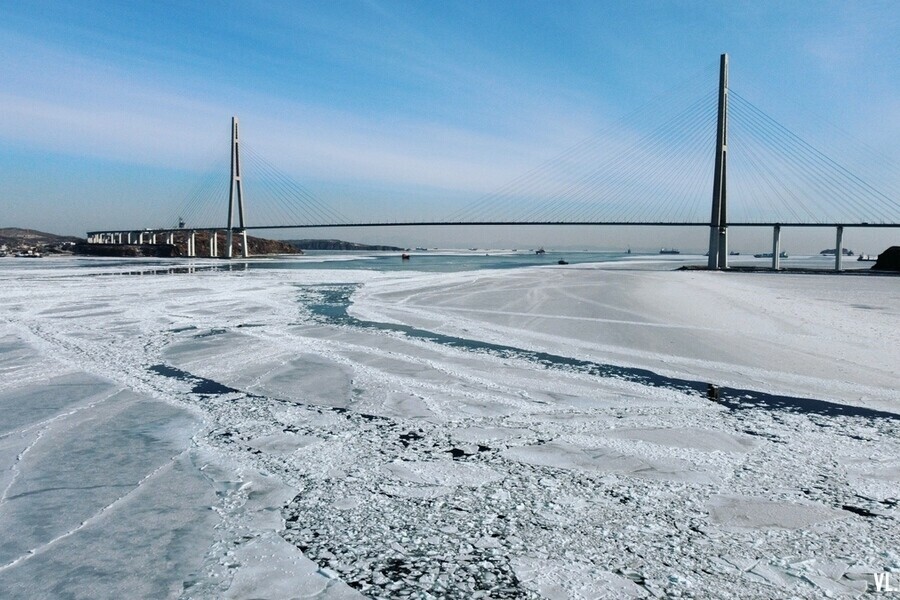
(16, 236)
(337, 245)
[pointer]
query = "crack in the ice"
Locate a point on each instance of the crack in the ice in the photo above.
(69, 487)
(44, 425)
(96, 516)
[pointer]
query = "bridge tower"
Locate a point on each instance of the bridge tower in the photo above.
(236, 189)
(718, 224)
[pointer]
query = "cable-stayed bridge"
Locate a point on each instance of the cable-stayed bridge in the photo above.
(684, 159)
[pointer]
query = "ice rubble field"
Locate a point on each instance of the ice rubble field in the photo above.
(237, 434)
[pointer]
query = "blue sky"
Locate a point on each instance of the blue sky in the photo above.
(110, 112)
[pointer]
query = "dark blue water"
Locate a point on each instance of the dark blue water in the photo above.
(199, 385)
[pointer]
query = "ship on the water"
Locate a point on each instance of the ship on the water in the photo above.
(669, 251)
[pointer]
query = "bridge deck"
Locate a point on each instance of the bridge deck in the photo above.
(492, 223)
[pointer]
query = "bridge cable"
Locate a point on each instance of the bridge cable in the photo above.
(842, 188)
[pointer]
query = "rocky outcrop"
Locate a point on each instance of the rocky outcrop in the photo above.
(889, 260)
(258, 247)
(127, 250)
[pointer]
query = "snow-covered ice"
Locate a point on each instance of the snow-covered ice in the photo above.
(245, 433)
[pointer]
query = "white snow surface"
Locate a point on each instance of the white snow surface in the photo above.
(214, 433)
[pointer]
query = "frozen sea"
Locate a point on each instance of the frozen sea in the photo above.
(460, 425)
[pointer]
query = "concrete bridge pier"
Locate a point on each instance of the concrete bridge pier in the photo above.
(776, 247)
(213, 242)
(839, 248)
(192, 244)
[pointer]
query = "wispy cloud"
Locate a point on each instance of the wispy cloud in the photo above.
(74, 104)
(384, 98)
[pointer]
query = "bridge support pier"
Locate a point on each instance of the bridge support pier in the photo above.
(839, 248)
(776, 247)
(192, 245)
(213, 242)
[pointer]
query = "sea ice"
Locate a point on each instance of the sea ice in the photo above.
(210, 434)
(760, 513)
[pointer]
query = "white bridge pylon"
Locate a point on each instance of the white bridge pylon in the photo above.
(236, 189)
